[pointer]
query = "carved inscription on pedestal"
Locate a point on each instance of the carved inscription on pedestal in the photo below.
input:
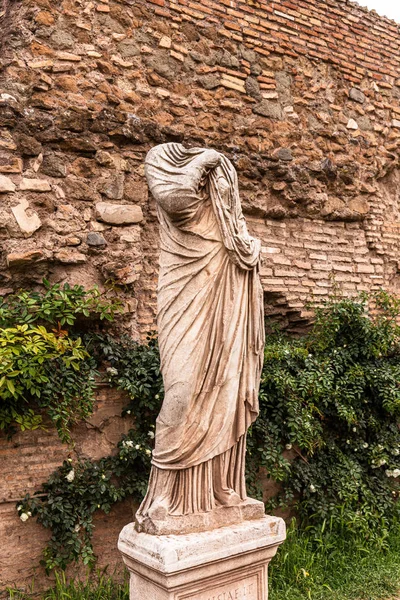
(245, 589)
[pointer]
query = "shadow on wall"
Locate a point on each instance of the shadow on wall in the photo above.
(279, 315)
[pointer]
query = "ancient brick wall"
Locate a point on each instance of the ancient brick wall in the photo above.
(303, 96)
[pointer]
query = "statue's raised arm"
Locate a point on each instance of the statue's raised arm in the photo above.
(211, 334)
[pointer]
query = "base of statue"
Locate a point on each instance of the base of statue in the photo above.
(229, 563)
(222, 516)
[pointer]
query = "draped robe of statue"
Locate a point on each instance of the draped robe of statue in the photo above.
(211, 333)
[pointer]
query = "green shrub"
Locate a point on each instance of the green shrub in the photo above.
(333, 397)
(43, 369)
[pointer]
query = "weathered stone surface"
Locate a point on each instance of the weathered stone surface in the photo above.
(352, 124)
(283, 154)
(118, 214)
(112, 187)
(28, 221)
(224, 563)
(54, 165)
(35, 185)
(70, 257)
(269, 109)
(210, 82)
(253, 87)
(11, 164)
(27, 144)
(20, 259)
(136, 191)
(175, 176)
(79, 189)
(95, 239)
(130, 235)
(357, 95)
(6, 185)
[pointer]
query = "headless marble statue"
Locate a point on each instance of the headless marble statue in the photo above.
(211, 335)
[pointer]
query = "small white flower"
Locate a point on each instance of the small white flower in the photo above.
(128, 444)
(151, 435)
(103, 476)
(312, 488)
(388, 473)
(157, 396)
(137, 447)
(148, 452)
(365, 445)
(128, 412)
(70, 476)
(20, 507)
(396, 451)
(24, 517)
(354, 429)
(396, 473)
(347, 441)
(381, 462)
(112, 371)
(77, 528)
(288, 446)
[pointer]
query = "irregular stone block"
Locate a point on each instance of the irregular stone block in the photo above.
(70, 257)
(28, 223)
(352, 124)
(35, 185)
(6, 185)
(119, 214)
(357, 95)
(95, 239)
(19, 259)
(272, 110)
(130, 235)
(112, 187)
(10, 164)
(27, 144)
(283, 154)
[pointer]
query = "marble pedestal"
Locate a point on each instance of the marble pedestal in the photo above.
(229, 563)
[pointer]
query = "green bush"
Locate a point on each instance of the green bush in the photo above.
(332, 398)
(43, 369)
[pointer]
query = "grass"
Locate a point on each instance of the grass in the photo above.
(101, 587)
(311, 565)
(321, 565)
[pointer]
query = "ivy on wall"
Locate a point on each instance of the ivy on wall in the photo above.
(46, 371)
(327, 430)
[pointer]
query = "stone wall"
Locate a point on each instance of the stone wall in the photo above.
(303, 97)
